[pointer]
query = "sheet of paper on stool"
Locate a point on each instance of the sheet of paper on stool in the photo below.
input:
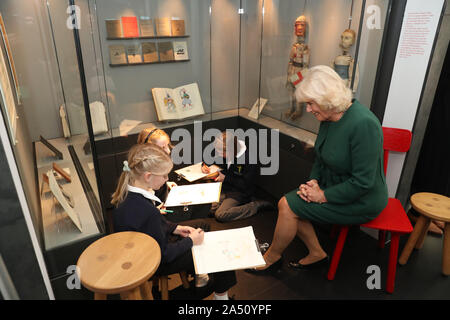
(194, 172)
(90, 165)
(59, 195)
(232, 249)
(191, 194)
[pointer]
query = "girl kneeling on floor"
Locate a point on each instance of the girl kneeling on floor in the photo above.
(147, 168)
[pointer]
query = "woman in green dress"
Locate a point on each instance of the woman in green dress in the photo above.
(347, 183)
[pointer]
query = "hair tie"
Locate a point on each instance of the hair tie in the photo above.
(126, 167)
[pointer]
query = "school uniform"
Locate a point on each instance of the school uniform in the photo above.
(139, 213)
(238, 188)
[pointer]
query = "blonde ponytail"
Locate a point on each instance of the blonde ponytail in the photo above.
(141, 158)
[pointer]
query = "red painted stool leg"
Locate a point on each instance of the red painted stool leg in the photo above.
(381, 239)
(393, 254)
(337, 252)
(334, 231)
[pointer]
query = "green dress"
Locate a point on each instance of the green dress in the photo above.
(349, 168)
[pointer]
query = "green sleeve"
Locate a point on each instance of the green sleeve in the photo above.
(366, 143)
(316, 170)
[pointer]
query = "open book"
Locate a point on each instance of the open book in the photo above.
(194, 172)
(179, 103)
(232, 249)
(194, 194)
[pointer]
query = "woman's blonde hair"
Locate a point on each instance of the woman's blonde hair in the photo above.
(152, 135)
(325, 87)
(141, 158)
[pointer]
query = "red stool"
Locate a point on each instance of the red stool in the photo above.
(392, 219)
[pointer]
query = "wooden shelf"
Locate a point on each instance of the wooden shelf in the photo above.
(141, 63)
(155, 37)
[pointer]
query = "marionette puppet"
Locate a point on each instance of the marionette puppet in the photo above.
(344, 64)
(297, 66)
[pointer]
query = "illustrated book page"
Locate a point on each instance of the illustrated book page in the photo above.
(179, 103)
(232, 249)
(194, 172)
(191, 194)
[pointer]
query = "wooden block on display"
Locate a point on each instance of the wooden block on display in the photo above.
(61, 171)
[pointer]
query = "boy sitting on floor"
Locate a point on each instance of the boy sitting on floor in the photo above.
(237, 177)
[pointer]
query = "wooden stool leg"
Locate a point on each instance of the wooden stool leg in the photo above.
(146, 291)
(446, 250)
(421, 240)
(135, 294)
(415, 235)
(184, 279)
(99, 296)
(392, 266)
(164, 288)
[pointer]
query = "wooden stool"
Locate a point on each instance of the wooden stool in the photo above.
(431, 206)
(120, 263)
(164, 284)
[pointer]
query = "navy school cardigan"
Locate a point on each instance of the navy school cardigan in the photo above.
(138, 213)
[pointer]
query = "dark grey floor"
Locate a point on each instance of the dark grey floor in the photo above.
(421, 278)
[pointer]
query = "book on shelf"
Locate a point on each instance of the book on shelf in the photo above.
(113, 28)
(179, 103)
(180, 50)
(133, 54)
(178, 28)
(163, 27)
(149, 52)
(165, 50)
(117, 54)
(130, 27)
(146, 27)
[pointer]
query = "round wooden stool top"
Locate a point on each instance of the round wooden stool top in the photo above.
(432, 205)
(119, 262)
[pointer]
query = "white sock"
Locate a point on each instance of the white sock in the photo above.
(222, 297)
(201, 280)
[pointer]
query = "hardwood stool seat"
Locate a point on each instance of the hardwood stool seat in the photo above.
(431, 206)
(120, 263)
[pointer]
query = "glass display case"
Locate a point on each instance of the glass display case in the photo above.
(91, 74)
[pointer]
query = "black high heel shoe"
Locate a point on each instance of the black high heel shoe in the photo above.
(272, 269)
(318, 264)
